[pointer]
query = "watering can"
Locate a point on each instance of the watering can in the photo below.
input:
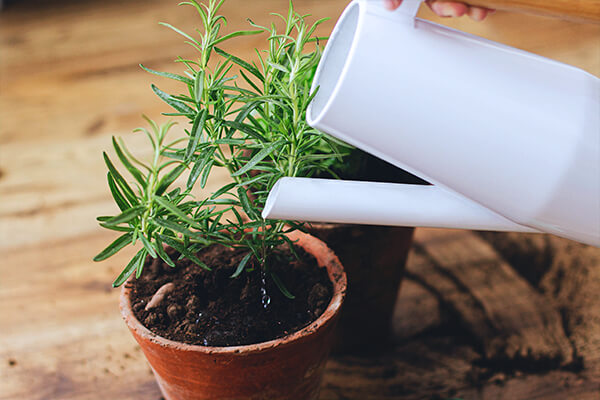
(527, 159)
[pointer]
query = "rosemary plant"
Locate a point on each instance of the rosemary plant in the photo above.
(252, 124)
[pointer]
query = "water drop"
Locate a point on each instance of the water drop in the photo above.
(264, 296)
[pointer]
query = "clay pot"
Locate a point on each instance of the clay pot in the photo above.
(288, 368)
(374, 259)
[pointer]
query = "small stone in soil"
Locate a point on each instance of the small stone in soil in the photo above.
(159, 296)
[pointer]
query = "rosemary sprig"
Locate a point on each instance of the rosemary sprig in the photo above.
(258, 133)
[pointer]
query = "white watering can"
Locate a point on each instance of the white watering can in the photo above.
(526, 159)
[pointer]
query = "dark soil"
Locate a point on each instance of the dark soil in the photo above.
(210, 308)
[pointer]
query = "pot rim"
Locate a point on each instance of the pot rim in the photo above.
(336, 274)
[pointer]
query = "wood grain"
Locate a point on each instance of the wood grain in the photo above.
(574, 10)
(481, 288)
(69, 80)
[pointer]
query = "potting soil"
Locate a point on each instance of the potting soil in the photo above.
(212, 309)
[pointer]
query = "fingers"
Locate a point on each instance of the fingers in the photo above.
(479, 13)
(448, 8)
(392, 4)
(457, 9)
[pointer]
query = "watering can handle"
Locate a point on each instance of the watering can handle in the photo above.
(574, 10)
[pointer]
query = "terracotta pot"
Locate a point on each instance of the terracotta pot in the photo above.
(374, 259)
(287, 368)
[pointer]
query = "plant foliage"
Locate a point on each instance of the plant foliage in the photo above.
(245, 116)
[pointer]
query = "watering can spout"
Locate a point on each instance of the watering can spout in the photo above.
(325, 200)
(531, 165)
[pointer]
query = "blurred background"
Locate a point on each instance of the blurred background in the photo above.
(69, 80)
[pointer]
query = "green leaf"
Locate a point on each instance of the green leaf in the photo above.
(175, 227)
(282, 287)
(238, 217)
(258, 157)
(222, 69)
(173, 209)
(169, 75)
(257, 178)
(234, 35)
(278, 67)
(169, 178)
(176, 104)
(255, 226)
(114, 247)
(120, 181)
(249, 81)
(198, 167)
(118, 228)
(183, 98)
(246, 204)
(138, 271)
(216, 226)
(291, 244)
(199, 86)
(222, 190)
(116, 193)
(198, 8)
(173, 155)
(185, 35)
(315, 25)
(247, 66)
(147, 245)
(196, 133)
(160, 250)
(247, 129)
(206, 173)
(180, 248)
(237, 89)
(232, 142)
(131, 157)
(136, 262)
(168, 163)
(125, 216)
(241, 265)
(136, 173)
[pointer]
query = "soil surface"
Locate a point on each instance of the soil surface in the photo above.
(209, 308)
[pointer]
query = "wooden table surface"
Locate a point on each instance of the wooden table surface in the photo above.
(69, 80)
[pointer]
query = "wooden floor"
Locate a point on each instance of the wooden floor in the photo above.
(69, 80)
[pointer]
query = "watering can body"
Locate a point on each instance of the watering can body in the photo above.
(510, 142)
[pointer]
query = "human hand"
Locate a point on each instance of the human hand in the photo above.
(448, 8)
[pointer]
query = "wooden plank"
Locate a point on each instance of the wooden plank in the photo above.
(568, 274)
(579, 10)
(59, 193)
(506, 314)
(62, 336)
(417, 309)
(77, 74)
(69, 80)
